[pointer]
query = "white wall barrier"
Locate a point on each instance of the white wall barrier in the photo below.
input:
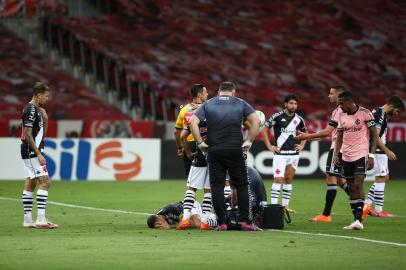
(89, 159)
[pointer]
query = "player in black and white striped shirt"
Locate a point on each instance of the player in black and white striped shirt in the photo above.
(286, 148)
(34, 122)
(394, 106)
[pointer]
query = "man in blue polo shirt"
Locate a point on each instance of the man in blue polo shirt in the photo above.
(225, 149)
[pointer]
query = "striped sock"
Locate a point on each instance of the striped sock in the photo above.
(330, 197)
(371, 195)
(227, 191)
(42, 196)
(276, 189)
(207, 206)
(27, 199)
(188, 203)
(286, 194)
(379, 196)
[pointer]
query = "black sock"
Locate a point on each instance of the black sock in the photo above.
(345, 187)
(330, 197)
(357, 206)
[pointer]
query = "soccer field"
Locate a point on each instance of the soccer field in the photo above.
(103, 226)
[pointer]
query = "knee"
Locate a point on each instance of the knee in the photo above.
(45, 184)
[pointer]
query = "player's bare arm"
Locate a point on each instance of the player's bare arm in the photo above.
(177, 132)
(44, 119)
(384, 148)
(372, 146)
(299, 147)
(326, 132)
(265, 136)
(28, 136)
(183, 139)
(194, 128)
(253, 122)
(337, 149)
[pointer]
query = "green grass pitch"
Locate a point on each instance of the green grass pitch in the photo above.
(92, 239)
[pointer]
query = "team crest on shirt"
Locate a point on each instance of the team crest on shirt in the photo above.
(357, 122)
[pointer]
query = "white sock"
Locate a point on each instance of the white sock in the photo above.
(371, 195)
(207, 206)
(188, 203)
(42, 196)
(27, 203)
(379, 196)
(276, 189)
(286, 194)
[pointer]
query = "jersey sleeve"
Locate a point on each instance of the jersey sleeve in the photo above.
(271, 121)
(369, 119)
(379, 117)
(29, 116)
(247, 109)
(339, 126)
(302, 125)
(179, 120)
(334, 119)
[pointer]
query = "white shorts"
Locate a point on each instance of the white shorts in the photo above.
(380, 165)
(280, 162)
(198, 178)
(32, 168)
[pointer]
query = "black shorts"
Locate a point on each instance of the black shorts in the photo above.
(331, 168)
(350, 169)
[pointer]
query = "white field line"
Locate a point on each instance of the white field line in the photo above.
(290, 232)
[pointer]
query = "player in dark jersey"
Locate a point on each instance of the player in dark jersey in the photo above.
(257, 195)
(198, 178)
(394, 106)
(170, 215)
(285, 148)
(34, 122)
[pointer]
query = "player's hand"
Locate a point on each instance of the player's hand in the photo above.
(246, 145)
(203, 147)
(275, 149)
(370, 163)
(302, 136)
(41, 160)
(391, 155)
(191, 155)
(336, 160)
(299, 147)
(180, 151)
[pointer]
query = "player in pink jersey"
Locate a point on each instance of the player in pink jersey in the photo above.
(356, 137)
(333, 172)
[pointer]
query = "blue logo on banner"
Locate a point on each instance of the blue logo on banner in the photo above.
(67, 158)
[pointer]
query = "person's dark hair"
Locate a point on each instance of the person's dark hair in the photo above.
(338, 88)
(40, 88)
(396, 102)
(291, 97)
(346, 95)
(227, 86)
(151, 221)
(196, 89)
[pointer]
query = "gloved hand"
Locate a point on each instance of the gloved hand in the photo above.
(262, 204)
(246, 145)
(203, 147)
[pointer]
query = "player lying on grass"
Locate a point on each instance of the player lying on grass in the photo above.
(170, 216)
